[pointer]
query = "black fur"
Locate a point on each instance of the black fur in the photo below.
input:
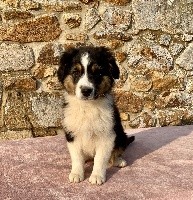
(121, 140)
(69, 137)
(100, 55)
(66, 63)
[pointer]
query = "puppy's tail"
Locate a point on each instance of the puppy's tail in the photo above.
(130, 139)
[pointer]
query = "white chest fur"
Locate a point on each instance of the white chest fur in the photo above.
(89, 118)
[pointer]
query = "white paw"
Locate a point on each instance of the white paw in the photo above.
(97, 180)
(120, 162)
(75, 178)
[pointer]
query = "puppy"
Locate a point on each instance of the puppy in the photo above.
(91, 119)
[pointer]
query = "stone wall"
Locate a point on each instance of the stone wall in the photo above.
(152, 41)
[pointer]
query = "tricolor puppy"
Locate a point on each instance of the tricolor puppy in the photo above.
(91, 119)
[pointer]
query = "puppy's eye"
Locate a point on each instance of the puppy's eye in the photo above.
(98, 72)
(76, 72)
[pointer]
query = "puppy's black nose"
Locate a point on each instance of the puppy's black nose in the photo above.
(86, 91)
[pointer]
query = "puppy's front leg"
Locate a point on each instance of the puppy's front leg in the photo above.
(77, 159)
(103, 152)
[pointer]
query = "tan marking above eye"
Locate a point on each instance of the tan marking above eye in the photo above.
(95, 67)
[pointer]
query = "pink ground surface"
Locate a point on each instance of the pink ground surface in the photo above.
(160, 166)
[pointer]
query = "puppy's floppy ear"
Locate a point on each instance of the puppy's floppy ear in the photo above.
(65, 63)
(114, 69)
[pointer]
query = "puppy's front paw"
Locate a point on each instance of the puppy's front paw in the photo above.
(97, 180)
(75, 178)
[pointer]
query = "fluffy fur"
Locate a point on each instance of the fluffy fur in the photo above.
(91, 119)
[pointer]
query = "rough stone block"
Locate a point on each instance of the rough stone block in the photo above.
(82, 37)
(165, 83)
(13, 135)
(149, 54)
(111, 44)
(176, 48)
(128, 102)
(189, 84)
(51, 84)
(15, 57)
(50, 54)
(148, 14)
(19, 82)
(13, 3)
(173, 117)
(33, 110)
(120, 56)
(141, 121)
(14, 14)
(46, 110)
(41, 29)
(111, 34)
(124, 116)
(118, 18)
(41, 71)
(170, 100)
(175, 17)
(91, 18)
(185, 60)
(60, 5)
(118, 2)
(16, 109)
(165, 39)
(187, 37)
(140, 83)
(72, 20)
(44, 132)
(29, 5)
(87, 1)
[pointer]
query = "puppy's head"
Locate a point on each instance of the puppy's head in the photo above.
(88, 72)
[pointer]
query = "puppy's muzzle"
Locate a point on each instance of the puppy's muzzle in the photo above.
(86, 91)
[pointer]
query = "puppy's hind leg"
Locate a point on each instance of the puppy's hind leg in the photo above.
(116, 160)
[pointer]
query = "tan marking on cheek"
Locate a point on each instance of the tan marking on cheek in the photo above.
(69, 85)
(105, 85)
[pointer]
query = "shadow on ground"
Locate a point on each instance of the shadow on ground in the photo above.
(148, 141)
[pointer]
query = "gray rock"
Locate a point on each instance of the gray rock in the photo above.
(91, 18)
(187, 37)
(120, 19)
(15, 57)
(175, 17)
(185, 60)
(55, 5)
(46, 110)
(165, 39)
(148, 14)
(176, 48)
(149, 54)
